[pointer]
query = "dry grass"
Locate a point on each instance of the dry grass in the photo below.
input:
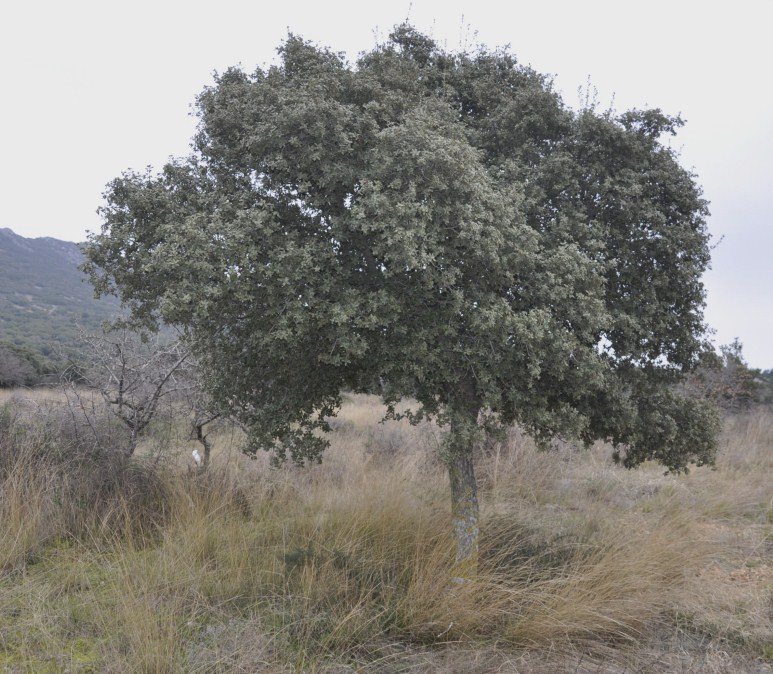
(344, 567)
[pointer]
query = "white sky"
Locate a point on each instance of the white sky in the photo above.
(90, 89)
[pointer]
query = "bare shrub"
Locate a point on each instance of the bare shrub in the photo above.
(133, 372)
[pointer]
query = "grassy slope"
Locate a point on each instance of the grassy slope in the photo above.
(344, 567)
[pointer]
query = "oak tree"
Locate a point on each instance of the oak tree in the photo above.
(432, 226)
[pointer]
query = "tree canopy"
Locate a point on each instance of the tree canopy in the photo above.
(427, 225)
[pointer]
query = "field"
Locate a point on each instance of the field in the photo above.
(154, 566)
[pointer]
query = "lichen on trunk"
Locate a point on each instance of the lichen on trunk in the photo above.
(465, 513)
(463, 434)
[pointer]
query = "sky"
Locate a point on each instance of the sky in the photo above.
(90, 89)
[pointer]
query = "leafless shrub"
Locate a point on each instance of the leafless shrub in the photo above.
(133, 372)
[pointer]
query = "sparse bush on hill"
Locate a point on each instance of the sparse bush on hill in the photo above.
(21, 366)
(14, 369)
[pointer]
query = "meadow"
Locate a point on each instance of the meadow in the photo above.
(155, 566)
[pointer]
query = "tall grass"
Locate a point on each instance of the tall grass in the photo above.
(157, 567)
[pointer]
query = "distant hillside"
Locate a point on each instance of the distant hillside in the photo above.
(43, 295)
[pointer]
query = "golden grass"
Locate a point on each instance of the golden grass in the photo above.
(22, 514)
(36, 395)
(345, 566)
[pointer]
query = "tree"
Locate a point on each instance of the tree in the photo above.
(765, 378)
(727, 380)
(133, 372)
(203, 412)
(427, 225)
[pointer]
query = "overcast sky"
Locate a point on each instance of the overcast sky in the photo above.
(90, 89)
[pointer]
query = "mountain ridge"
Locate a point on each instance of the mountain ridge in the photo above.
(44, 298)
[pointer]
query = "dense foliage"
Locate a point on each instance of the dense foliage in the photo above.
(428, 225)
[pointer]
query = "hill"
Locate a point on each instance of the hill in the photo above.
(44, 297)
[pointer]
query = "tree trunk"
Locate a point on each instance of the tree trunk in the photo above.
(465, 513)
(205, 443)
(464, 433)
